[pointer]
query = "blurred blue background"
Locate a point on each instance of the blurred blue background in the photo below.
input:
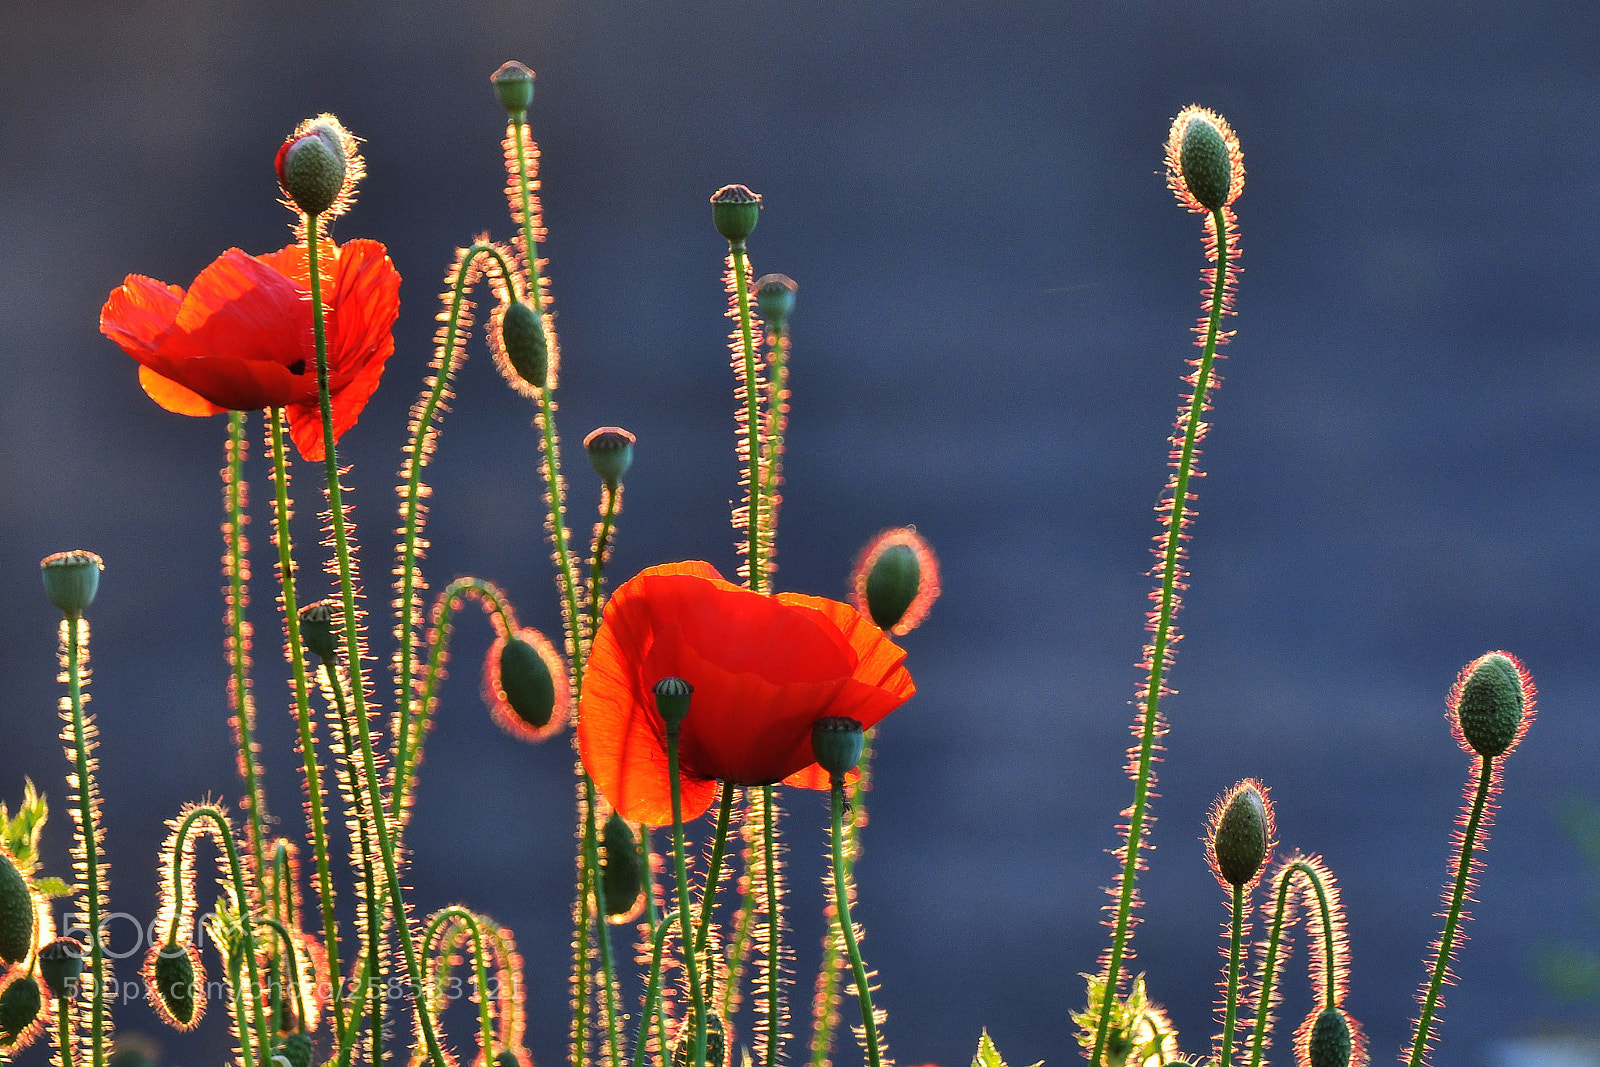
(996, 292)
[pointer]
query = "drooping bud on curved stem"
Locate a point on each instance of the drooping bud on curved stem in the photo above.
(895, 580)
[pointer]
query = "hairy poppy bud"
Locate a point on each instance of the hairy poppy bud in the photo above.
(316, 630)
(20, 1005)
(60, 965)
(312, 166)
(672, 700)
(1488, 703)
(735, 211)
(527, 682)
(896, 580)
(1329, 1044)
(173, 975)
(716, 1044)
(17, 913)
(619, 872)
(513, 84)
(1240, 834)
(775, 297)
(71, 579)
(522, 340)
(296, 1049)
(610, 451)
(836, 742)
(1207, 169)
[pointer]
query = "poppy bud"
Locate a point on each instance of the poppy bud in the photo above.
(1207, 167)
(526, 681)
(296, 1049)
(1488, 703)
(735, 211)
(312, 166)
(896, 580)
(1241, 834)
(716, 1044)
(71, 579)
(522, 340)
(836, 742)
(173, 975)
(775, 298)
(316, 630)
(513, 84)
(507, 1058)
(1329, 1044)
(60, 965)
(17, 912)
(619, 872)
(20, 1004)
(672, 701)
(610, 451)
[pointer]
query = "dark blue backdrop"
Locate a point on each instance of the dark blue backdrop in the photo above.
(996, 293)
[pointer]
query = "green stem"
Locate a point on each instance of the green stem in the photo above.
(411, 514)
(1269, 965)
(1231, 1012)
(89, 831)
(691, 960)
(779, 352)
(1452, 920)
(774, 927)
(64, 1029)
(719, 846)
(302, 710)
(828, 973)
(294, 968)
(841, 903)
(368, 771)
(1171, 557)
(238, 651)
(480, 969)
(652, 996)
(239, 993)
(752, 415)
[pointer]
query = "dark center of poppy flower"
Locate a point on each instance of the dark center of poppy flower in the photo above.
(297, 367)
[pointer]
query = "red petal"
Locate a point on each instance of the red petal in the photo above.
(174, 397)
(139, 312)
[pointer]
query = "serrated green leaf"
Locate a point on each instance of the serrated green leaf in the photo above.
(52, 888)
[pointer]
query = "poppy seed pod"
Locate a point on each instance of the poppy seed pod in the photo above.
(1488, 703)
(735, 210)
(775, 297)
(513, 84)
(672, 700)
(837, 743)
(526, 681)
(610, 450)
(296, 1048)
(71, 579)
(1206, 163)
(17, 913)
(1330, 1042)
(619, 872)
(522, 339)
(312, 167)
(20, 1005)
(60, 965)
(316, 630)
(173, 976)
(1241, 834)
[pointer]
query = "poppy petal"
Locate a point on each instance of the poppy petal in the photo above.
(176, 398)
(240, 308)
(139, 313)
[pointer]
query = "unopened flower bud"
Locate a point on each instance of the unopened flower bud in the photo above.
(672, 700)
(21, 1004)
(175, 979)
(513, 84)
(17, 912)
(317, 631)
(312, 166)
(527, 681)
(60, 965)
(1329, 1044)
(735, 211)
(619, 871)
(522, 340)
(1488, 703)
(610, 450)
(71, 580)
(896, 580)
(1207, 170)
(836, 742)
(775, 297)
(1240, 834)
(295, 1049)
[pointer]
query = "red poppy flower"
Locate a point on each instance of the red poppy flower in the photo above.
(764, 669)
(240, 338)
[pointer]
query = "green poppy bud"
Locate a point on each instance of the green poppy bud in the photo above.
(296, 1048)
(1240, 834)
(174, 976)
(735, 211)
(524, 346)
(610, 450)
(775, 297)
(672, 700)
(1488, 702)
(60, 965)
(20, 1005)
(619, 872)
(17, 913)
(1330, 1044)
(513, 84)
(317, 632)
(312, 166)
(71, 580)
(896, 580)
(527, 682)
(836, 742)
(1206, 168)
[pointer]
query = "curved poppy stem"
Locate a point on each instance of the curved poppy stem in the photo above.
(1231, 1012)
(294, 968)
(652, 996)
(368, 771)
(691, 958)
(1160, 646)
(239, 644)
(468, 921)
(1269, 964)
(302, 710)
(841, 903)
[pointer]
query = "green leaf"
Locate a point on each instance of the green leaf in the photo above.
(52, 888)
(989, 1056)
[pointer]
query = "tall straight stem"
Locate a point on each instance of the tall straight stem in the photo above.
(1231, 1012)
(691, 961)
(64, 1029)
(752, 415)
(1163, 635)
(841, 902)
(90, 830)
(774, 926)
(238, 651)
